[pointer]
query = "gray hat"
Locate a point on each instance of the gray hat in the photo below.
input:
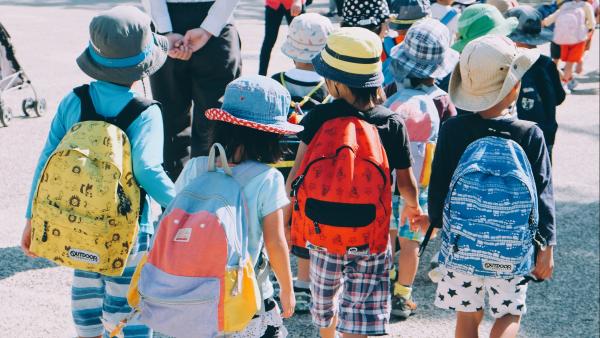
(407, 12)
(122, 48)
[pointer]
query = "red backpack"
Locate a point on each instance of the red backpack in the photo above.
(342, 194)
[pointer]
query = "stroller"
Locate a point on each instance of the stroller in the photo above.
(13, 78)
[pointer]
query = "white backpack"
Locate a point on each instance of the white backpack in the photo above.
(570, 27)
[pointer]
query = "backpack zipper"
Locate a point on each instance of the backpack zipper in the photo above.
(317, 228)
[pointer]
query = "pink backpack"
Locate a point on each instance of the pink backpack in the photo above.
(570, 28)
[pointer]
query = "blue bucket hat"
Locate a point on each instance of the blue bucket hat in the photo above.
(424, 53)
(256, 102)
(530, 30)
(407, 12)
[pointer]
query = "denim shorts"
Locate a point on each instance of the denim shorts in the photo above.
(404, 230)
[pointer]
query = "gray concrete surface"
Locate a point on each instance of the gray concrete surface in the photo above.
(34, 295)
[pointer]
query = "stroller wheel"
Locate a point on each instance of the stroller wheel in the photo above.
(5, 115)
(40, 107)
(27, 106)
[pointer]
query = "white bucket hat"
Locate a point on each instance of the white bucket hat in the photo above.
(307, 36)
(489, 68)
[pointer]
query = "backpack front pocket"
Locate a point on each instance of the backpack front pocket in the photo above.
(183, 307)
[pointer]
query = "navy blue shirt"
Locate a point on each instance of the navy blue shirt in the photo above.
(455, 136)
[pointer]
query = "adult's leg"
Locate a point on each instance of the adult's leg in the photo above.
(467, 324)
(272, 22)
(171, 86)
(212, 68)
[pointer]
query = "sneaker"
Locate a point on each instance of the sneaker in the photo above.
(566, 88)
(303, 300)
(571, 85)
(403, 308)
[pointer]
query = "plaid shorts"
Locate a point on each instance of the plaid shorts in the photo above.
(355, 287)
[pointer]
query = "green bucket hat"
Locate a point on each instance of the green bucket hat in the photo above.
(479, 20)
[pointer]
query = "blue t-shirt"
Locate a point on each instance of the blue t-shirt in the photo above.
(145, 135)
(264, 194)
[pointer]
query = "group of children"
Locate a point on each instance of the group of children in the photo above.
(377, 151)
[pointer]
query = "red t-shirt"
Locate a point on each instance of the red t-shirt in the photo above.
(276, 3)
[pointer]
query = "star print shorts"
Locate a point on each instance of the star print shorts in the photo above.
(459, 292)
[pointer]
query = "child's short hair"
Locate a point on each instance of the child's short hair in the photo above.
(257, 145)
(365, 97)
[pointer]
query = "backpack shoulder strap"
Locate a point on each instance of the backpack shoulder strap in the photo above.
(248, 170)
(88, 111)
(449, 16)
(132, 111)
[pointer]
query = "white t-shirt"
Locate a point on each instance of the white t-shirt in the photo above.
(439, 11)
(264, 194)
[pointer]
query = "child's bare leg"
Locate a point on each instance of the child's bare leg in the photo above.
(467, 324)
(351, 335)
(579, 67)
(408, 262)
(303, 270)
(568, 73)
(393, 236)
(506, 327)
(329, 332)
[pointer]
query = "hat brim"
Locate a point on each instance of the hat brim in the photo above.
(127, 75)
(506, 28)
(300, 53)
(404, 26)
(404, 66)
(352, 80)
(543, 37)
(465, 100)
(282, 128)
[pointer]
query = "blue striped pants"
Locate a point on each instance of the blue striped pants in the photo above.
(99, 301)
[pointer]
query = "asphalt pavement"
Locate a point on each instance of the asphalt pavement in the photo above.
(34, 295)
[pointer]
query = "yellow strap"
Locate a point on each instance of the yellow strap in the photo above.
(308, 96)
(283, 164)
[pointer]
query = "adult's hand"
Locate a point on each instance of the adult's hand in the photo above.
(177, 49)
(196, 38)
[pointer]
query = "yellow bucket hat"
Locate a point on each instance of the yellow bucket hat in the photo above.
(352, 56)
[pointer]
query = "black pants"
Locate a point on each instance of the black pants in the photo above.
(273, 18)
(196, 84)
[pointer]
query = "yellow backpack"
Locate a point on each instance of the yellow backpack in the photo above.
(87, 205)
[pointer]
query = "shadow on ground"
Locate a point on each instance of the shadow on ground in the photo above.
(14, 261)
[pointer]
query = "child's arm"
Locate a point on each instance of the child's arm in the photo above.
(296, 8)
(146, 136)
(279, 258)
(407, 185)
(292, 176)
(590, 19)
(549, 20)
(66, 115)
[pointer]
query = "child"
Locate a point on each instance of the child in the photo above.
(573, 21)
(493, 66)
(479, 20)
(354, 79)
(368, 14)
(405, 14)
(503, 5)
(115, 35)
(275, 10)
(442, 10)
(250, 124)
(541, 89)
(306, 38)
(425, 55)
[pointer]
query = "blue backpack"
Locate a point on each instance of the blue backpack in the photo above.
(491, 212)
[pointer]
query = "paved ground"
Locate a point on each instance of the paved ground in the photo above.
(34, 295)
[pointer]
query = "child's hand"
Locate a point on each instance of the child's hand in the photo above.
(410, 214)
(177, 50)
(288, 302)
(26, 239)
(420, 223)
(296, 8)
(544, 264)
